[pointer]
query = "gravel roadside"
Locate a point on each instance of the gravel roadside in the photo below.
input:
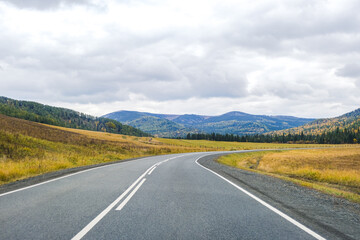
(331, 217)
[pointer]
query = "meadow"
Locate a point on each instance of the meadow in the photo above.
(232, 146)
(28, 148)
(331, 170)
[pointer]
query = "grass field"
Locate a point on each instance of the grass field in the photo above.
(28, 148)
(332, 170)
(230, 146)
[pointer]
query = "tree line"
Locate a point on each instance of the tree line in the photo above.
(338, 136)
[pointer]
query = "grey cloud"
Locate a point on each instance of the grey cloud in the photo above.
(284, 88)
(335, 44)
(351, 70)
(9, 45)
(180, 62)
(199, 79)
(288, 20)
(151, 68)
(212, 80)
(45, 4)
(280, 27)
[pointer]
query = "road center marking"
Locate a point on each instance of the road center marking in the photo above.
(130, 195)
(88, 227)
(151, 170)
(97, 219)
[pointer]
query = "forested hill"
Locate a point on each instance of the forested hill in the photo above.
(344, 129)
(37, 112)
(349, 122)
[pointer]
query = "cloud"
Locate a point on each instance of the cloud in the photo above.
(45, 5)
(351, 70)
(255, 56)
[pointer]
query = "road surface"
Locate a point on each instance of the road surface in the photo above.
(161, 197)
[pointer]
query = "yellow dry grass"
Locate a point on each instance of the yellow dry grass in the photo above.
(230, 146)
(334, 170)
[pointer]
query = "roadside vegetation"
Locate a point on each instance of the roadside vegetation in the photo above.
(331, 170)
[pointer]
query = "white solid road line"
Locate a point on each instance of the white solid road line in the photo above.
(97, 219)
(151, 170)
(55, 179)
(293, 221)
(108, 209)
(127, 199)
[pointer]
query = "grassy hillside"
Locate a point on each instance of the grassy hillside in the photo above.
(335, 171)
(37, 112)
(29, 148)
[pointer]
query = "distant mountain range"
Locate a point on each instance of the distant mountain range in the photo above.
(171, 125)
(63, 117)
(239, 123)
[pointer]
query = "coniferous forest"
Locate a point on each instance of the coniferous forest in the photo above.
(338, 136)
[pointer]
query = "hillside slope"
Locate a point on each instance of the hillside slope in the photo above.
(37, 112)
(232, 123)
(349, 121)
(28, 148)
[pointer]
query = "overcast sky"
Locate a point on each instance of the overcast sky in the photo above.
(274, 57)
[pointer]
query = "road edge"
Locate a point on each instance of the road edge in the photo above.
(328, 229)
(46, 177)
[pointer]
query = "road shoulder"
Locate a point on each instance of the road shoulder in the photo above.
(331, 217)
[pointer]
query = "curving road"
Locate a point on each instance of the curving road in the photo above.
(162, 197)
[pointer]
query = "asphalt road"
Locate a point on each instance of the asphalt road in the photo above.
(162, 197)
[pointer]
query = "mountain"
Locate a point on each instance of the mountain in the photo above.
(350, 121)
(161, 127)
(190, 119)
(238, 123)
(37, 112)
